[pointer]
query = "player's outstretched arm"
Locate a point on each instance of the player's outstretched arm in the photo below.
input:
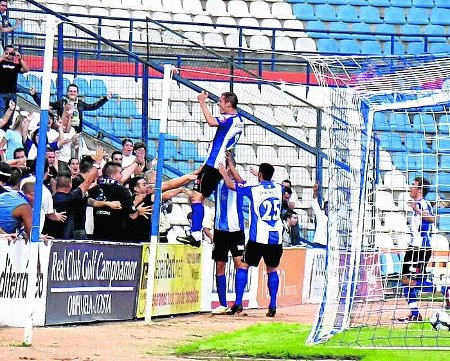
(212, 122)
(228, 181)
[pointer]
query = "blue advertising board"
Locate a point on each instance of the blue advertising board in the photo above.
(92, 281)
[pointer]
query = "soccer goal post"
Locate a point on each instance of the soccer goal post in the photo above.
(390, 126)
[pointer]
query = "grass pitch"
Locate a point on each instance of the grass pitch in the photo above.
(287, 341)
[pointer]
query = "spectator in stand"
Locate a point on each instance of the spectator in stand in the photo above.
(111, 224)
(13, 183)
(71, 145)
(76, 106)
(320, 235)
(80, 213)
(6, 25)
(116, 157)
(68, 200)
(20, 161)
(291, 231)
(266, 229)
(140, 152)
(47, 210)
(127, 153)
(74, 167)
(50, 182)
(11, 64)
(16, 135)
(287, 193)
(6, 117)
(292, 202)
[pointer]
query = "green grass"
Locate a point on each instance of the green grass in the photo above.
(287, 340)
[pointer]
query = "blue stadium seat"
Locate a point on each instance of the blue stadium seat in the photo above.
(423, 3)
(326, 12)
(311, 26)
(122, 128)
(394, 15)
(370, 47)
(380, 122)
(432, 29)
(400, 122)
(395, 48)
(401, 3)
(171, 150)
(348, 46)
(442, 4)
(417, 16)
(380, 3)
(370, 15)
(327, 46)
(444, 160)
(347, 14)
(153, 128)
(387, 29)
(392, 142)
(399, 160)
(343, 28)
(439, 48)
(128, 109)
(83, 86)
(415, 47)
(363, 28)
(22, 80)
(444, 124)
(440, 17)
(98, 88)
(337, 2)
(35, 82)
(410, 32)
(424, 123)
(427, 162)
(304, 12)
(105, 124)
(416, 143)
(188, 150)
(357, 2)
(136, 128)
(443, 181)
(444, 224)
(109, 109)
(441, 145)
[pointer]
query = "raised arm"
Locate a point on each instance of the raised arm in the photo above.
(206, 112)
(228, 181)
(8, 114)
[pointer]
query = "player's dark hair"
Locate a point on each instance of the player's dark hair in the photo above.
(287, 190)
(424, 184)
(288, 182)
(63, 180)
(133, 182)
(116, 152)
(86, 164)
(110, 168)
(16, 177)
(267, 170)
(288, 214)
(18, 150)
(231, 98)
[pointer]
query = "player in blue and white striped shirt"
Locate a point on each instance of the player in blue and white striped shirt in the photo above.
(229, 237)
(229, 128)
(266, 227)
(418, 253)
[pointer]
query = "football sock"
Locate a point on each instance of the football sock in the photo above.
(198, 213)
(272, 284)
(221, 282)
(240, 283)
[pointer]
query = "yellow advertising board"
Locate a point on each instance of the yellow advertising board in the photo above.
(177, 284)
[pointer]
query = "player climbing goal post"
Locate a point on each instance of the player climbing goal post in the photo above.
(389, 129)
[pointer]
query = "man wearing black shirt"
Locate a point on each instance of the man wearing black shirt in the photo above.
(11, 64)
(111, 224)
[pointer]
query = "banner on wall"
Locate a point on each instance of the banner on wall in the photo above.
(177, 287)
(90, 281)
(315, 275)
(14, 274)
(291, 275)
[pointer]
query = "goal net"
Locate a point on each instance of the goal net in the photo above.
(390, 125)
